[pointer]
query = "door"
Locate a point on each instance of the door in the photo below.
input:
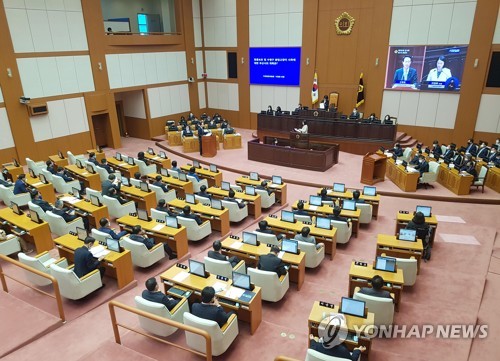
(101, 122)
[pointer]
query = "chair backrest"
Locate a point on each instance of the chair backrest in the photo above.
(381, 307)
(33, 166)
(433, 167)
(4, 194)
(135, 182)
(90, 191)
(313, 255)
(443, 149)
(47, 175)
(71, 158)
(267, 200)
(202, 200)
(38, 210)
(158, 215)
(407, 153)
(38, 265)
(272, 288)
(267, 238)
(366, 213)
(57, 223)
(71, 286)
(313, 355)
(103, 173)
(221, 268)
(409, 267)
(482, 172)
(208, 325)
(116, 209)
(236, 213)
(158, 309)
(161, 194)
(343, 231)
(92, 165)
(173, 173)
(99, 236)
(195, 232)
(10, 246)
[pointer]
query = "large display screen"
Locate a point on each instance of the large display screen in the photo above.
(425, 67)
(275, 66)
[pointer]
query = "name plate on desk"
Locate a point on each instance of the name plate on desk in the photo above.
(326, 304)
(361, 264)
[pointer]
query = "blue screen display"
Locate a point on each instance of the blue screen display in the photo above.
(275, 66)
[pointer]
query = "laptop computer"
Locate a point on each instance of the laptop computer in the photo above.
(216, 203)
(225, 186)
(254, 176)
(339, 187)
(290, 246)
(386, 264)
(369, 191)
(190, 198)
(350, 306)
(113, 244)
(81, 233)
(250, 238)
(315, 201)
(171, 222)
(277, 180)
(323, 223)
(250, 190)
(425, 210)
(409, 235)
(287, 216)
(349, 205)
(242, 280)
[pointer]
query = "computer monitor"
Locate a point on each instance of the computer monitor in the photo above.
(59, 153)
(213, 168)
(196, 164)
(196, 268)
(76, 192)
(94, 200)
(171, 222)
(250, 190)
(125, 181)
(387, 264)
(130, 161)
(42, 178)
(290, 246)
(15, 208)
(339, 187)
(151, 151)
(225, 186)
(34, 216)
(287, 216)
(142, 214)
(89, 168)
(276, 179)
(349, 205)
(407, 235)
(425, 210)
(350, 306)
(164, 172)
(162, 154)
(79, 164)
(190, 198)
(183, 177)
(216, 203)
(369, 191)
(81, 233)
(241, 280)
(249, 238)
(323, 223)
(315, 201)
(113, 244)
(394, 157)
(144, 186)
(32, 173)
(254, 176)
(404, 163)
(118, 156)
(16, 163)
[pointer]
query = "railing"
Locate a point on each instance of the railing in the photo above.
(57, 295)
(284, 358)
(114, 304)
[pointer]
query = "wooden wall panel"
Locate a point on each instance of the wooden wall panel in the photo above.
(76, 143)
(6, 155)
(243, 26)
(488, 137)
(427, 135)
(138, 128)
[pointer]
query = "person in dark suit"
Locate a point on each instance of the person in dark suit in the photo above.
(450, 152)
(6, 182)
(187, 132)
(324, 195)
(326, 102)
(84, 261)
(111, 182)
(406, 74)
(104, 164)
(471, 147)
(336, 215)
(372, 118)
(272, 263)
(68, 214)
(37, 199)
(114, 194)
(203, 192)
(269, 110)
(264, 228)
(340, 351)
(416, 157)
(496, 161)
(230, 198)
(209, 308)
(300, 209)
(62, 173)
(158, 183)
(376, 288)
(436, 149)
(140, 156)
(483, 151)
(138, 235)
(263, 186)
(163, 207)
(422, 165)
(355, 197)
(152, 293)
(93, 159)
(104, 223)
(51, 166)
(20, 185)
(493, 154)
(470, 168)
(355, 114)
(192, 173)
(458, 160)
(397, 150)
(215, 254)
(186, 213)
(174, 166)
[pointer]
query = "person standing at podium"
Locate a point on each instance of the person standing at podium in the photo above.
(304, 128)
(201, 133)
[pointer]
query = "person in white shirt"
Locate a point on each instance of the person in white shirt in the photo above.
(304, 128)
(439, 73)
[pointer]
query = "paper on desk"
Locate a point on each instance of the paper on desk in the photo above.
(156, 157)
(158, 227)
(179, 277)
(70, 200)
(237, 245)
(234, 292)
(280, 255)
(85, 173)
(99, 251)
(37, 184)
(122, 164)
(219, 286)
(313, 208)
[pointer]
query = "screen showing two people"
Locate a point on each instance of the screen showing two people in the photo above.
(425, 67)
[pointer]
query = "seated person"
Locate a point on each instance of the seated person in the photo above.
(336, 215)
(355, 197)
(182, 122)
(230, 198)
(68, 214)
(450, 152)
(355, 114)
(191, 116)
(163, 207)
(51, 167)
(423, 229)
(496, 161)
(388, 120)
(104, 164)
(471, 147)
(457, 160)
(6, 182)
(174, 167)
(139, 235)
(114, 194)
(304, 236)
(105, 227)
(263, 228)
(159, 183)
(228, 129)
(324, 195)
(263, 186)
(36, 198)
(140, 156)
(299, 107)
(186, 213)
(187, 132)
(416, 157)
(376, 288)
(25, 247)
(483, 151)
(224, 124)
(278, 111)
(372, 118)
(111, 183)
(272, 263)
(137, 175)
(84, 260)
(20, 185)
(209, 308)
(62, 173)
(338, 351)
(92, 158)
(300, 209)
(304, 128)
(470, 168)
(269, 110)
(493, 154)
(422, 165)
(212, 124)
(215, 254)
(152, 293)
(203, 192)
(192, 173)
(436, 149)
(397, 150)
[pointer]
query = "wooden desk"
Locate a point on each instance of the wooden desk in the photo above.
(392, 247)
(59, 162)
(493, 179)
(254, 202)
(174, 138)
(453, 180)
(406, 181)
(250, 312)
(190, 144)
(326, 210)
(219, 219)
(14, 171)
(175, 238)
(180, 187)
(46, 190)
(251, 254)
(92, 181)
(159, 161)
(328, 237)
(118, 265)
(95, 213)
(403, 219)
(145, 200)
(373, 200)
(280, 191)
(213, 178)
(37, 234)
(232, 141)
(359, 277)
(98, 155)
(354, 324)
(126, 169)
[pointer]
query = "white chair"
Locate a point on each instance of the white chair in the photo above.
(145, 169)
(59, 226)
(73, 287)
(406, 154)
(236, 214)
(173, 173)
(38, 210)
(443, 149)
(302, 218)
(90, 191)
(99, 236)
(117, 210)
(381, 307)
(202, 200)
(431, 175)
(267, 238)
(161, 194)
(481, 178)
(236, 188)
(72, 158)
(36, 167)
(141, 255)
(197, 184)
(64, 187)
(158, 309)
(313, 355)
(92, 165)
(221, 338)
(10, 246)
(409, 267)
(103, 173)
(158, 215)
(314, 255)
(47, 174)
(195, 232)
(8, 196)
(40, 262)
(366, 210)
(344, 231)
(273, 287)
(266, 200)
(223, 268)
(135, 182)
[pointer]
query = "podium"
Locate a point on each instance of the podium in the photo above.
(299, 140)
(373, 169)
(209, 146)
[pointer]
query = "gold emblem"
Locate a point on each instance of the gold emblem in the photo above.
(315, 113)
(344, 24)
(297, 136)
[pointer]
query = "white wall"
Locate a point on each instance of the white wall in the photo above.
(7, 139)
(200, 67)
(496, 36)
(126, 70)
(50, 76)
(223, 96)
(261, 96)
(219, 23)
(46, 25)
(201, 95)
(112, 9)
(168, 100)
(133, 104)
(65, 117)
(197, 24)
(216, 64)
(488, 117)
